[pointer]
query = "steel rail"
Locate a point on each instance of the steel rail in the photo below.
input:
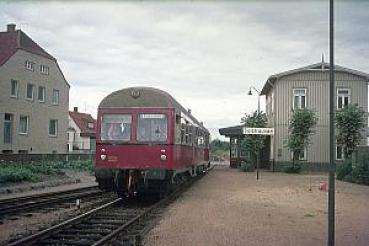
(47, 194)
(45, 233)
(27, 203)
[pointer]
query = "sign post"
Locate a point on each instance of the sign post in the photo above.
(257, 131)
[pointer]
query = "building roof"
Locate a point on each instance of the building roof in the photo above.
(321, 66)
(12, 40)
(82, 120)
(232, 131)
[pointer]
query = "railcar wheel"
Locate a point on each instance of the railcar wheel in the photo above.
(120, 183)
(105, 184)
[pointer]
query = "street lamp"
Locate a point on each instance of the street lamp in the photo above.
(258, 92)
(258, 155)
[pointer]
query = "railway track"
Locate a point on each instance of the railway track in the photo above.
(20, 205)
(114, 223)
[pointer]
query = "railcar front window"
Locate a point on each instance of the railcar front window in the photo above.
(116, 127)
(152, 128)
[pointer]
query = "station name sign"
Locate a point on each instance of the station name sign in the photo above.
(258, 131)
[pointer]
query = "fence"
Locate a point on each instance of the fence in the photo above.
(25, 158)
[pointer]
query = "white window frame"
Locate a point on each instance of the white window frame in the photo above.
(33, 89)
(56, 102)
(300, 98)
(90, 125)
(301, 159)
(27, 125)
(29, 65)
(342, 151)
(44, 69)
(271, 101)
(56, 128)
(16, 88)
(343, 96)
(44, 94)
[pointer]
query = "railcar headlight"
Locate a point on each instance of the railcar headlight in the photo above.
(102, 150)
(103, 157)
(163, 157)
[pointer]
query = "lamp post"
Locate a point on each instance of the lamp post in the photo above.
(258, 155)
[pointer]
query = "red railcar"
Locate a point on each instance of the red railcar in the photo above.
(146, 141)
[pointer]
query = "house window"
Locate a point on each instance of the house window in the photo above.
(23, 124)
(302, 155)
(30, 91)
(53, 128)
(340, 152)
(343, 97)
(8, 128)
(29, 65)
(90, 125)
(299, 98)
(41, 93)
(14, 88)
(55, 97)
(44, 69)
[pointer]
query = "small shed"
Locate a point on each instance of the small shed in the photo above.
(236, 155)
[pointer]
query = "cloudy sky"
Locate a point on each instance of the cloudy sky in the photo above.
(205, 54)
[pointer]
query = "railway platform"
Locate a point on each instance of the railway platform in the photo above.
(229, 207)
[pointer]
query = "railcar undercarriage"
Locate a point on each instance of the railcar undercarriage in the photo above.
(130, 182)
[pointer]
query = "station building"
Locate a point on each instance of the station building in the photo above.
(305, 87)
(34, 97)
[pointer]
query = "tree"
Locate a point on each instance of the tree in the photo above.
(349, 122)
(254, 143)
(219, 149)
(300, 128)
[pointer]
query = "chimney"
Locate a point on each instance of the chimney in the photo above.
(11, 27)
(75, 109)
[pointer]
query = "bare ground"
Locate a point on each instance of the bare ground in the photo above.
(228, 207)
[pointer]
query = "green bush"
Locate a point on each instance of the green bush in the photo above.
(360, 172)
(14, 173)
(344, 169)
(247, 166)
(17, 172)
(288, 167)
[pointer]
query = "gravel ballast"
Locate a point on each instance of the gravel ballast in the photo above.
(229, 207)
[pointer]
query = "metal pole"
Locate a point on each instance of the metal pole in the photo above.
(332, 165)
(258, 156)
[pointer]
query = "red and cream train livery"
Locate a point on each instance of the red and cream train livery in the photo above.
(146, 141)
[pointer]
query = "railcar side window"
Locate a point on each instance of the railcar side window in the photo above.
(116, 127)
(152, 128)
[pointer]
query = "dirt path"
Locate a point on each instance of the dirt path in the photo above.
(229, 207)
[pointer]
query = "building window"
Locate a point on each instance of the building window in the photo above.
(343, 97)
(30, 91)
(41, 93)
(44, 69)
(299, 98)
(8, 128)
(302, 155)
(55, 97)
(23, 124)
(340, 155)
(90, 125)
(53, 128)
(29, 65)
(14, 88)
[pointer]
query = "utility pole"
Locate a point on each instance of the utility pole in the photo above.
(332, 164)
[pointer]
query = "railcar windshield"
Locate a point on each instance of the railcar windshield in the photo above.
(152, 128)
(116, 127)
